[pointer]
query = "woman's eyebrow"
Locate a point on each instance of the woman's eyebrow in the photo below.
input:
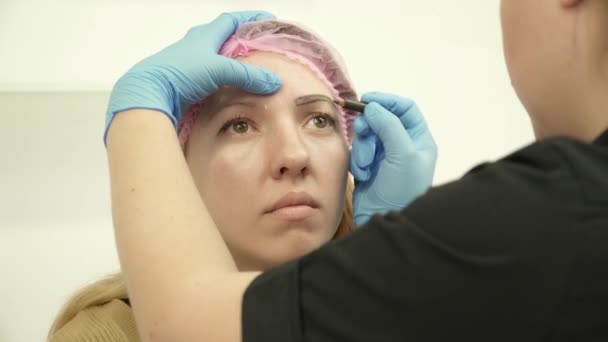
(307, 99)
(237, 102)
(218, 106)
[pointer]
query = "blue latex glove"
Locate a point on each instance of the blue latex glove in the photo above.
(190, 70)
(393, 156)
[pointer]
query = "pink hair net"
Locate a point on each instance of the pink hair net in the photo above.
(296, 43)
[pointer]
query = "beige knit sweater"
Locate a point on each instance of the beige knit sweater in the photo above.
(110, 322)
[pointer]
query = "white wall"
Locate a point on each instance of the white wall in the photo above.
(59, 59)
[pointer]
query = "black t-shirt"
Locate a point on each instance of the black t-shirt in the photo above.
(516, 250)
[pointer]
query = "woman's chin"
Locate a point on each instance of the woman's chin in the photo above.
(292, 246)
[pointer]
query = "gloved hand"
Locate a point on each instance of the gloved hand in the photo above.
(189, 70)
(393, 156)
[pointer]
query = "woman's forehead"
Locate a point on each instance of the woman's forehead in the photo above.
(292, 72)
(228, 95)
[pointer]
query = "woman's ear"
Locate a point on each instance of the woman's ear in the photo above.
(570, 3)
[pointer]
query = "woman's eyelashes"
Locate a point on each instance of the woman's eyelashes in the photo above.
(237, 125)
(321, 120)
(242, 124)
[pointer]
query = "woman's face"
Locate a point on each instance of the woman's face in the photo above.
(271, 169)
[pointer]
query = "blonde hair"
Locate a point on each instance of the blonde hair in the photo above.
(114, 286)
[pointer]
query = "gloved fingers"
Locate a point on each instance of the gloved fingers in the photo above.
(404, 108)
(394, 103)
(362, 156)
(222, 27)
(389, 129)
(361, 127)
(369, 148)
(250, 78)
(361, 220)
(379, 152)
(361, 175)
(418, 130)
(409, 114)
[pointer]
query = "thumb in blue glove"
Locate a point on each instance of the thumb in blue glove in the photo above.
(190, 70)
(393, 156)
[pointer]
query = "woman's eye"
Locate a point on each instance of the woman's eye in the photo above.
(240, 127)
(322, 120)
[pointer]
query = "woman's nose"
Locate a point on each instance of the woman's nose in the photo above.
(289, 155)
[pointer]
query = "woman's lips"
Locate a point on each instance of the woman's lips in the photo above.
(293, 212)
(294, 206)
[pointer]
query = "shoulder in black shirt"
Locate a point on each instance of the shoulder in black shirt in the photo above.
(516, 250)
